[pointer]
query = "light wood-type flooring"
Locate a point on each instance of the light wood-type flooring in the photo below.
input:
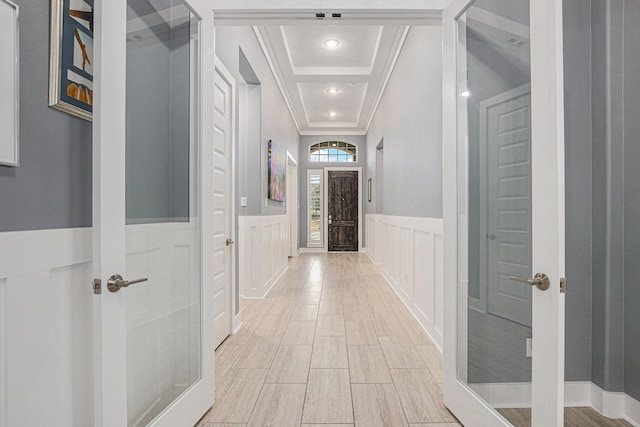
(332, 345)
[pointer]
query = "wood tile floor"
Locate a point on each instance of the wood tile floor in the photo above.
(330, 344)
(333, 345)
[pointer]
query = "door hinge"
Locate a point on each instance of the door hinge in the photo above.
(97, 286)
(563, 285)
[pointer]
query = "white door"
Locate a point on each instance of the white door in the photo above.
(504, 212)
(505, 137)
(153, 327)
(292, 205)
(222, 211)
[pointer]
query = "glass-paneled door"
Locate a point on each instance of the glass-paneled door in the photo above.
(154, 350)
(504, 163)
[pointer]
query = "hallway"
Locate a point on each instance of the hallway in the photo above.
(331, 344)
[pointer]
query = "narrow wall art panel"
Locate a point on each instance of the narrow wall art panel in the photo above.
(276, 173)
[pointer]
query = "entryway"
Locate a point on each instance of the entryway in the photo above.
(342, 210)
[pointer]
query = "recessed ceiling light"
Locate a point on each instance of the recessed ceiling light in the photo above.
(332, 91)
(331, 44)
(332, 114)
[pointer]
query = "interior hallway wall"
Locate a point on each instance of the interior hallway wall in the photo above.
(275, 119)
(262, 116)
(631, 156)
(409, 118)
(52, 186)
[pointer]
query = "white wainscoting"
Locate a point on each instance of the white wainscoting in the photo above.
(374, 238)
(262, 250)
(46, 328)
(412, 263)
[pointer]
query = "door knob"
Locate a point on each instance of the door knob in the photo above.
(229, 242)
(492, 236)
(540, 281)
(116, 282)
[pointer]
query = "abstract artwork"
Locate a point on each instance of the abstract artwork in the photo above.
(71, 56)
(276, 172)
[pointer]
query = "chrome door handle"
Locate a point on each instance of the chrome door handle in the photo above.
(116, 282)
(540, 281)
(229, 242)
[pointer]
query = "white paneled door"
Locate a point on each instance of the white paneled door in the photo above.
(504, 212)
(223, 240)
(152, 204)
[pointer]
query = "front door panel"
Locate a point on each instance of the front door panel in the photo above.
(343, 210)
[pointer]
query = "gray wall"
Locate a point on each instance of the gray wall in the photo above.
(602, 107)
(304, 165)
(275, 120)
(577, 71)
(52, 186)
(631, 198)
(409, 118)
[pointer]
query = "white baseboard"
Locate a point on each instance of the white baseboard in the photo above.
(373, 261)
(237, 328)
(434, 339)
(576, 394)
(312, 250)
(412, 263)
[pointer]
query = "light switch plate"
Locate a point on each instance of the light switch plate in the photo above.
(243, 202)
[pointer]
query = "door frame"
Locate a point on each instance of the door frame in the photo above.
(292, 205)
(108, 207)
(547, 123)
(325, 203)
(235, 318)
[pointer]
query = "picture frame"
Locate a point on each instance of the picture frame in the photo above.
(9, 84)
(71, 57)
(369, 189)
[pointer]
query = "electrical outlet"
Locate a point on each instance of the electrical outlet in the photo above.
(529, 347)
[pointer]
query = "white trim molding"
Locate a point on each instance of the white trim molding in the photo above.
(374, 240)
(413, 265)
(577, 394)
(263, 247)
(46, 328)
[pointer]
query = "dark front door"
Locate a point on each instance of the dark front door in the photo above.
(343, 211)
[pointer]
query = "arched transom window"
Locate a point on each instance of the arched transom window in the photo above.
(332, 151)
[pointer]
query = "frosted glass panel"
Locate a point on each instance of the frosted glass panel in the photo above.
(315, 207)
(163, 231)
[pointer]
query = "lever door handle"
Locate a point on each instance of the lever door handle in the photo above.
(540, 281)
(229, 242)
(116, 282)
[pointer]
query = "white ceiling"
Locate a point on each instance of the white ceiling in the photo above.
(358, 69)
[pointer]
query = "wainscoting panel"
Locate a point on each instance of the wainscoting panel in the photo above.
(263, 257)
(413, 265)
(374, 238)
(46, 328)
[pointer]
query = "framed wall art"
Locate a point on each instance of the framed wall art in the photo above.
(276, 169)
(71, 57)
(9, 84)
